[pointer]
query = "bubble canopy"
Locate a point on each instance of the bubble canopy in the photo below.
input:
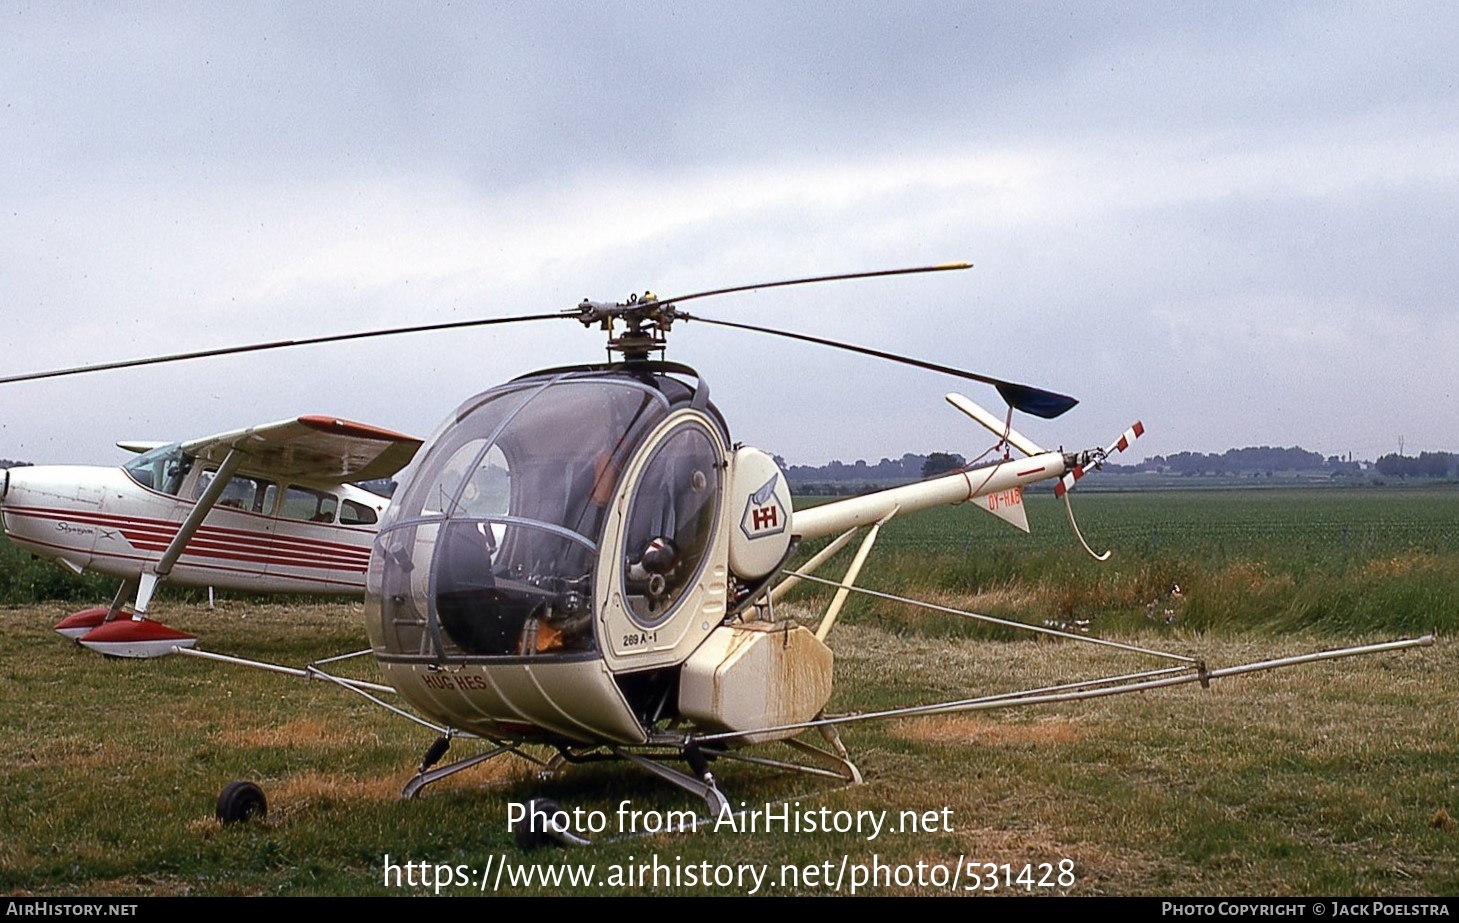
(491, 545)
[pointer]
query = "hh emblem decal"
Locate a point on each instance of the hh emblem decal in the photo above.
(765, 514)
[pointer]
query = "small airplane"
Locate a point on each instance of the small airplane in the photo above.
(267, 509)
(583, 559)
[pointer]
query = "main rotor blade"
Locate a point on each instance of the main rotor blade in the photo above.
(1037, 401)
(454, 325)
(274, 344)
(940, 267)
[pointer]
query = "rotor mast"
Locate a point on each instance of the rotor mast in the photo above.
(646, 322)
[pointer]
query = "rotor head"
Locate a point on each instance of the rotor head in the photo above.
(646, 322)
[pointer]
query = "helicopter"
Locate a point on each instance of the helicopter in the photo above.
(582, 561)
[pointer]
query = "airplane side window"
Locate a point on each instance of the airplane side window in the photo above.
(356, 514)
(242, 493)
(260, 495)
(308, 505)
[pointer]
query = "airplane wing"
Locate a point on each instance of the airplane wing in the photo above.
(314, 448)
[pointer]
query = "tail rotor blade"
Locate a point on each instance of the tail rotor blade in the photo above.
(1098, 457)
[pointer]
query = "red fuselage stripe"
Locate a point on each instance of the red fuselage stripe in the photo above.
(209, 542)
(114, 521)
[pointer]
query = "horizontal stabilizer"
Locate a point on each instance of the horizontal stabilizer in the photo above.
(997, 427)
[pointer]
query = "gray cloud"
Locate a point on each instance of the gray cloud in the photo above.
(1230, 220)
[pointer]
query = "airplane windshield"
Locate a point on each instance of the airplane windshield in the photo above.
(161, 469)
(497, 529)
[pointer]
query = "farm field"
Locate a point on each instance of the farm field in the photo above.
(1320, 560)
(1325, 779)
(1325, 525)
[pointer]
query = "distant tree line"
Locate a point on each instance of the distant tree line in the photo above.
(838, 477)
(1427, 465)
(888, 469)
(7, 463)
(1248, 461)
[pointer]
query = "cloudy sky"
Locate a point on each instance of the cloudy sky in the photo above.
(1236, 222)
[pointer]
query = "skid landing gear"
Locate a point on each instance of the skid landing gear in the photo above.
(701, 784)
(548, 823)
(425, 775)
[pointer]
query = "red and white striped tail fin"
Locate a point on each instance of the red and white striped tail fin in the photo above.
(1067, 482)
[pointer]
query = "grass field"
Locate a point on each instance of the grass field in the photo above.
(1331, 779)
(1326, 561)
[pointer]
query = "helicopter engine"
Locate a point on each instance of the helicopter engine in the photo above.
(567, 559)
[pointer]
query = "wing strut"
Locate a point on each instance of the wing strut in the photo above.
(189, 528)
(124, 592)
(140, 636)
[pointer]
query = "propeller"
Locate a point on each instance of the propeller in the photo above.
(660, 313)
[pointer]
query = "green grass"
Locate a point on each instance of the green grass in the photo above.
(1332, 779)
(1332, 561)
(1324, 779)
(26, 579)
